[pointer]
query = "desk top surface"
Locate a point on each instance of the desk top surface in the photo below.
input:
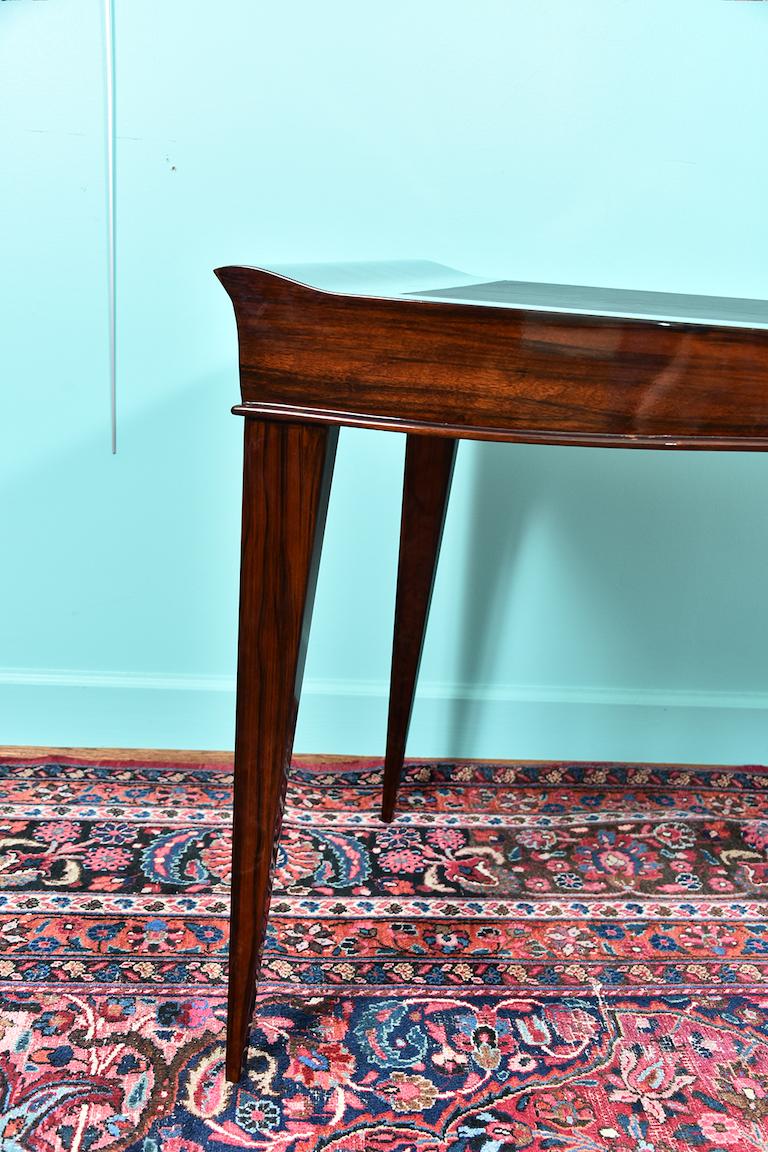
(424, 280)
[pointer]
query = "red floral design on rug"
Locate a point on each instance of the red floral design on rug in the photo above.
(571, 958)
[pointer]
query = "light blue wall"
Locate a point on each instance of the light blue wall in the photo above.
(590, 604)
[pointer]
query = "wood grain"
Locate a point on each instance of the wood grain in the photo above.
(496, 373)
(216, 759)
(286, 483)
(428, 471)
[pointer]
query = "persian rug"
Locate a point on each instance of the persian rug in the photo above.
(560, 957)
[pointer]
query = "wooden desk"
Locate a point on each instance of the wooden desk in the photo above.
(428, 351)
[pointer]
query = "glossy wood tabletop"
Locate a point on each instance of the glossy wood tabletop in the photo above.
(425, 350)
(501, 373)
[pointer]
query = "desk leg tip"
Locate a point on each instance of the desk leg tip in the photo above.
(233, 1070)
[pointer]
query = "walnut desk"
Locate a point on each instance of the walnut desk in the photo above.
(425, 350)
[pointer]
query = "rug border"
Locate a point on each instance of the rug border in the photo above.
(224, 759)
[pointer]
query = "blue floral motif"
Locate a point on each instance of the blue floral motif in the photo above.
(388, 1037)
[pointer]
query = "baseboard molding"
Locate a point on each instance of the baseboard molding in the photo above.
(111, 709)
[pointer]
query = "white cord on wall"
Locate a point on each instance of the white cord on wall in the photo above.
(109, 62)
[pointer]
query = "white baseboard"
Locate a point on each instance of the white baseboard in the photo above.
(111, 709)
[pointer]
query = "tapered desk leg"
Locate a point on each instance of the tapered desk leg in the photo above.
(429, 464)
(286, 483)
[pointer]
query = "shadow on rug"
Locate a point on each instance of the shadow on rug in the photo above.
(562, 957)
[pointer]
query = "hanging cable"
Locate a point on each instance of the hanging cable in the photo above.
(109, 62)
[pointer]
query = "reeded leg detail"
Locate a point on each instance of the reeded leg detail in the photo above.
(429, 464)
(286, 483)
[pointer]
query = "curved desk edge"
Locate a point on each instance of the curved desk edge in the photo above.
(483, 371)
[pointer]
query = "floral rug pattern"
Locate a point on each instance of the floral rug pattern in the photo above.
(571, 958)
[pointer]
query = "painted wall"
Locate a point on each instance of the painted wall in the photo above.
(588, 604)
